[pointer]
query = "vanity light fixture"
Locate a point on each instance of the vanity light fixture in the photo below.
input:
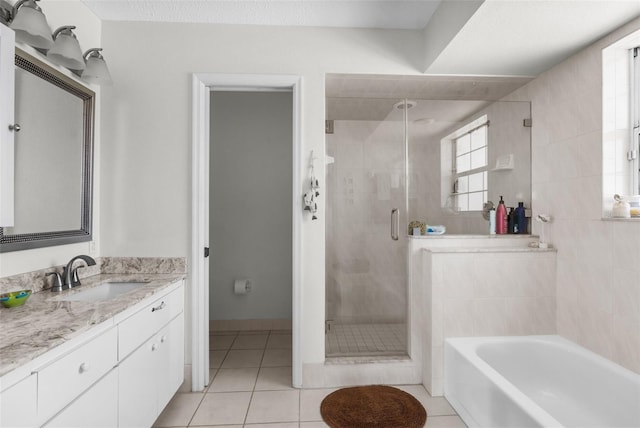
(30, 25)
(66, 49)
(96, 70)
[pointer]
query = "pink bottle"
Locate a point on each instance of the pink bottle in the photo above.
(501, 218)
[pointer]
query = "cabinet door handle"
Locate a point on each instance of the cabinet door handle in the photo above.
(154, 347)
(84, 367)
(15, 127)
(163, 339)
(157, 308)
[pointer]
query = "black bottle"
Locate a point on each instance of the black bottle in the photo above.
(520, 219)
(511, 221)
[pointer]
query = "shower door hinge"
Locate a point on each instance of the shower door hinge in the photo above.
(327, 326)
(328, 126)
(632, 155)
(206, 252)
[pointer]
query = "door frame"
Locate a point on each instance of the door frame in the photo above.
(202, 85)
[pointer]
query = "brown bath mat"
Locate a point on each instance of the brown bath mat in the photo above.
(373, 406)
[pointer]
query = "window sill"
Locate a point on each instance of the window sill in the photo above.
(631, 219)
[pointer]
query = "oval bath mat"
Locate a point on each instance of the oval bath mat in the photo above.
(373, 406)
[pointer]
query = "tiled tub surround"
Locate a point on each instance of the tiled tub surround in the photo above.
(575, 139)
(45, 321)
(480, 291)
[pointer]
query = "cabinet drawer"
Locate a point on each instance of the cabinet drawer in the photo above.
(63, 380)
(139, 327)
(18, 404)
(96, 408)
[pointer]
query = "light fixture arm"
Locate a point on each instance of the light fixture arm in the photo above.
(66, 29)
(91, 52)
(19, 4)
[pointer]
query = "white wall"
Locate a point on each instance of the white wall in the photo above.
(598, 291)
(250, 204)
(147, 175)
(88, 31)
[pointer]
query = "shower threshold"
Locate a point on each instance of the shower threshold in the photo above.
(379, 340)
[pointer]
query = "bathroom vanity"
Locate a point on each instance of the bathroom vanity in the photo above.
(67, 360)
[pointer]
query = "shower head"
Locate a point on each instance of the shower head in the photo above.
(405, 104)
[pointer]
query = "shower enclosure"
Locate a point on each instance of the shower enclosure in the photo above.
(366, 218)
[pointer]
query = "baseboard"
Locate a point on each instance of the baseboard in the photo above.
(249, 325)
(186, 384)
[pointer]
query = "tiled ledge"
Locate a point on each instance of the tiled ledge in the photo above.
(491, 250)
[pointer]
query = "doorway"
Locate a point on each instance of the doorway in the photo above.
(205, 87)
(250, 210)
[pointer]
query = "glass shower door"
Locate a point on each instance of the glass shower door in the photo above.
(366, 244)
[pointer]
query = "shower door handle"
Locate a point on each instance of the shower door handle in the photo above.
(395, 223)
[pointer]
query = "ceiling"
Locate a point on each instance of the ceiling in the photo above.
(472, 37)
(389, 14)
(440, 101)
(528, 37)
(515, 38)
(422, 87)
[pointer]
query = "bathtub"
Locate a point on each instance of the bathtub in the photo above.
(537, 381)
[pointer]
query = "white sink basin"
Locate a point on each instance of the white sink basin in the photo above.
(105, 291)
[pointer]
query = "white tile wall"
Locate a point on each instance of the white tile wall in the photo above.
(476, 293)
(598, 272)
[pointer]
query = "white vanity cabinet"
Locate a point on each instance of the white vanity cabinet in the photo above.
(7, 89)
(148, 377)
(153, 372)
(66, 378)
(95, 408)
(121, 373)
(18, 404)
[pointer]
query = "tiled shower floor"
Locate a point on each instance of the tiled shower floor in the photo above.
(347, 340)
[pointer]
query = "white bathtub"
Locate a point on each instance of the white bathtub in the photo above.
(537, 381)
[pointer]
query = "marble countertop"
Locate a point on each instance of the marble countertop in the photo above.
(46, 321)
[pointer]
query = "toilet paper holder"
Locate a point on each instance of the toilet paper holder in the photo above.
(242, 286)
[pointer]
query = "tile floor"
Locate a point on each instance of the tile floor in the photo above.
(251, 387)
(344, 340)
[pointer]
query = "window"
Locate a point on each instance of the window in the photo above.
(470, 168)
(620, 119)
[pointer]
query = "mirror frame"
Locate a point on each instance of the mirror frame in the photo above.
(25, 241)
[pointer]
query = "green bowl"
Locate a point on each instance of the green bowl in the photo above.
(15, 298)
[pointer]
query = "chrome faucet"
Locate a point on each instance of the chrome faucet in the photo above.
(70, 275)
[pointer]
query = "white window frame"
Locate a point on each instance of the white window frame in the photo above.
(620, 145)
(481, 124)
